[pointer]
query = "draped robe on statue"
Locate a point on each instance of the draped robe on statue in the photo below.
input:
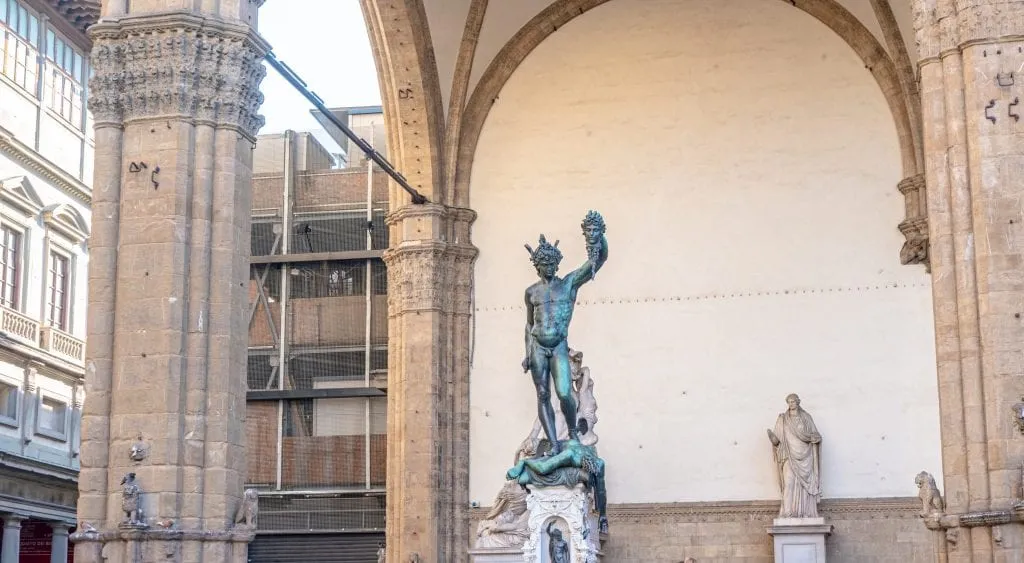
(799, 464)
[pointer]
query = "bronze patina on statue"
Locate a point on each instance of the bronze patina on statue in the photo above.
(549, 309)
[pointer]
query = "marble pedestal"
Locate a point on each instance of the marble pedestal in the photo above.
(800, 540)
(496, 555)
(571, 512)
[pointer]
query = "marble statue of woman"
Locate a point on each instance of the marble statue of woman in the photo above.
(507, 524)
(797, 446)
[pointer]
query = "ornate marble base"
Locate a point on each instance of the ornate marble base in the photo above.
(800, 540)
(570, 511)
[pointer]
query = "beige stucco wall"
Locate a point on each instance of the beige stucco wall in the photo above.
(746, 164)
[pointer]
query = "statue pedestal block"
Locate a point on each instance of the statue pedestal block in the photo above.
(570, 511)
(496, 555)
(800, 540)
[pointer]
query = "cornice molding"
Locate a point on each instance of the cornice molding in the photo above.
(40, 166)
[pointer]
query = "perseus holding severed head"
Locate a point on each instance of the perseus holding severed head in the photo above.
(545, 258)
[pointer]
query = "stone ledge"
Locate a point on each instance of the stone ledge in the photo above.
(160, 534)
(982, 518)
(836, 509)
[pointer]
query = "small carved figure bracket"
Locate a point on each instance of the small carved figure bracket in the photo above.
(1009, 111)
(1018, 415)
(928, 492)
(988, 116)
(152, 177)
(248, 510)
(131, 503)
(139, 450)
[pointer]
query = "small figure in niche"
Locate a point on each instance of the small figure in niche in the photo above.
(558, 548)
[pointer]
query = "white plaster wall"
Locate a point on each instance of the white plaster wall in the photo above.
(503, 19)
(746, 164)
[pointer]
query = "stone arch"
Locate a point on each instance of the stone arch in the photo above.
(515, 51)
(410, 93)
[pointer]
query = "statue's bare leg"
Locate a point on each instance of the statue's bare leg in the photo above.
(539, 361)
(561, 372)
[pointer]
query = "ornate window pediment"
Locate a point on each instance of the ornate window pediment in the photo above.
(67, 221)
(17, 193)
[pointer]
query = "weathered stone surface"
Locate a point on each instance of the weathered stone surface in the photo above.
(178, 92)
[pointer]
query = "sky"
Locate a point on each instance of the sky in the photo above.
(326, 44)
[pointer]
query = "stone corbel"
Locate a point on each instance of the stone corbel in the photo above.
(30, 404)
(74, 439)
(915, 226)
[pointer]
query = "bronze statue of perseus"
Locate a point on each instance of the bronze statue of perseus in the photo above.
(549, 307)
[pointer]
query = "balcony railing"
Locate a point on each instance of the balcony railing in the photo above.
(62, 344)
(28, 331)
(19, 326)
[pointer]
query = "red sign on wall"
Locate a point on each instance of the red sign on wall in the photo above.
(36, 538)
(35, 542)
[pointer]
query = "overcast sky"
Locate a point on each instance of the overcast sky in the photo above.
(325, 43)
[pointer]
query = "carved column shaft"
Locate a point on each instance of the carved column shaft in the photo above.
(973, 160)
(428, 395)
(175, 98)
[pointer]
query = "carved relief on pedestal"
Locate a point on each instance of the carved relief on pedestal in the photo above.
(915, 226)
(568, 509)
(186, 66)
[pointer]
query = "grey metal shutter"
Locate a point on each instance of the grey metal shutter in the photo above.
(315, 548)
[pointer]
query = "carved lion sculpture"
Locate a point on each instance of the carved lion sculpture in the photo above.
(248, 509)
(931, 500)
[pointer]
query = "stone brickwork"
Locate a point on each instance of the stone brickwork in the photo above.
(877, 530)
(973, 166)
(175, 97)
(326, 190)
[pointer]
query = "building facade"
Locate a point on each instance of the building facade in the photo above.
(46, 157)
(317, 364)
(814, 196)
(817, 197)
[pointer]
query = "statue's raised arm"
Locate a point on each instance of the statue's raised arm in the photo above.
(597, 249)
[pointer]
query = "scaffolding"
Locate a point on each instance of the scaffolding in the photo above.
(317, 364)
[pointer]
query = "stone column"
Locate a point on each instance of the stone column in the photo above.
(974, 161)
(175, 99)
(428, 395)
(59, 544)
(12, 538)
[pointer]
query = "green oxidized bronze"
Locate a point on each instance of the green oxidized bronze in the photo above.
(574, 464)
(549, 309)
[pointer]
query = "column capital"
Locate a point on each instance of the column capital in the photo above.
(13, 520)
(177, 66)
(60, 527)
(945, 26)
